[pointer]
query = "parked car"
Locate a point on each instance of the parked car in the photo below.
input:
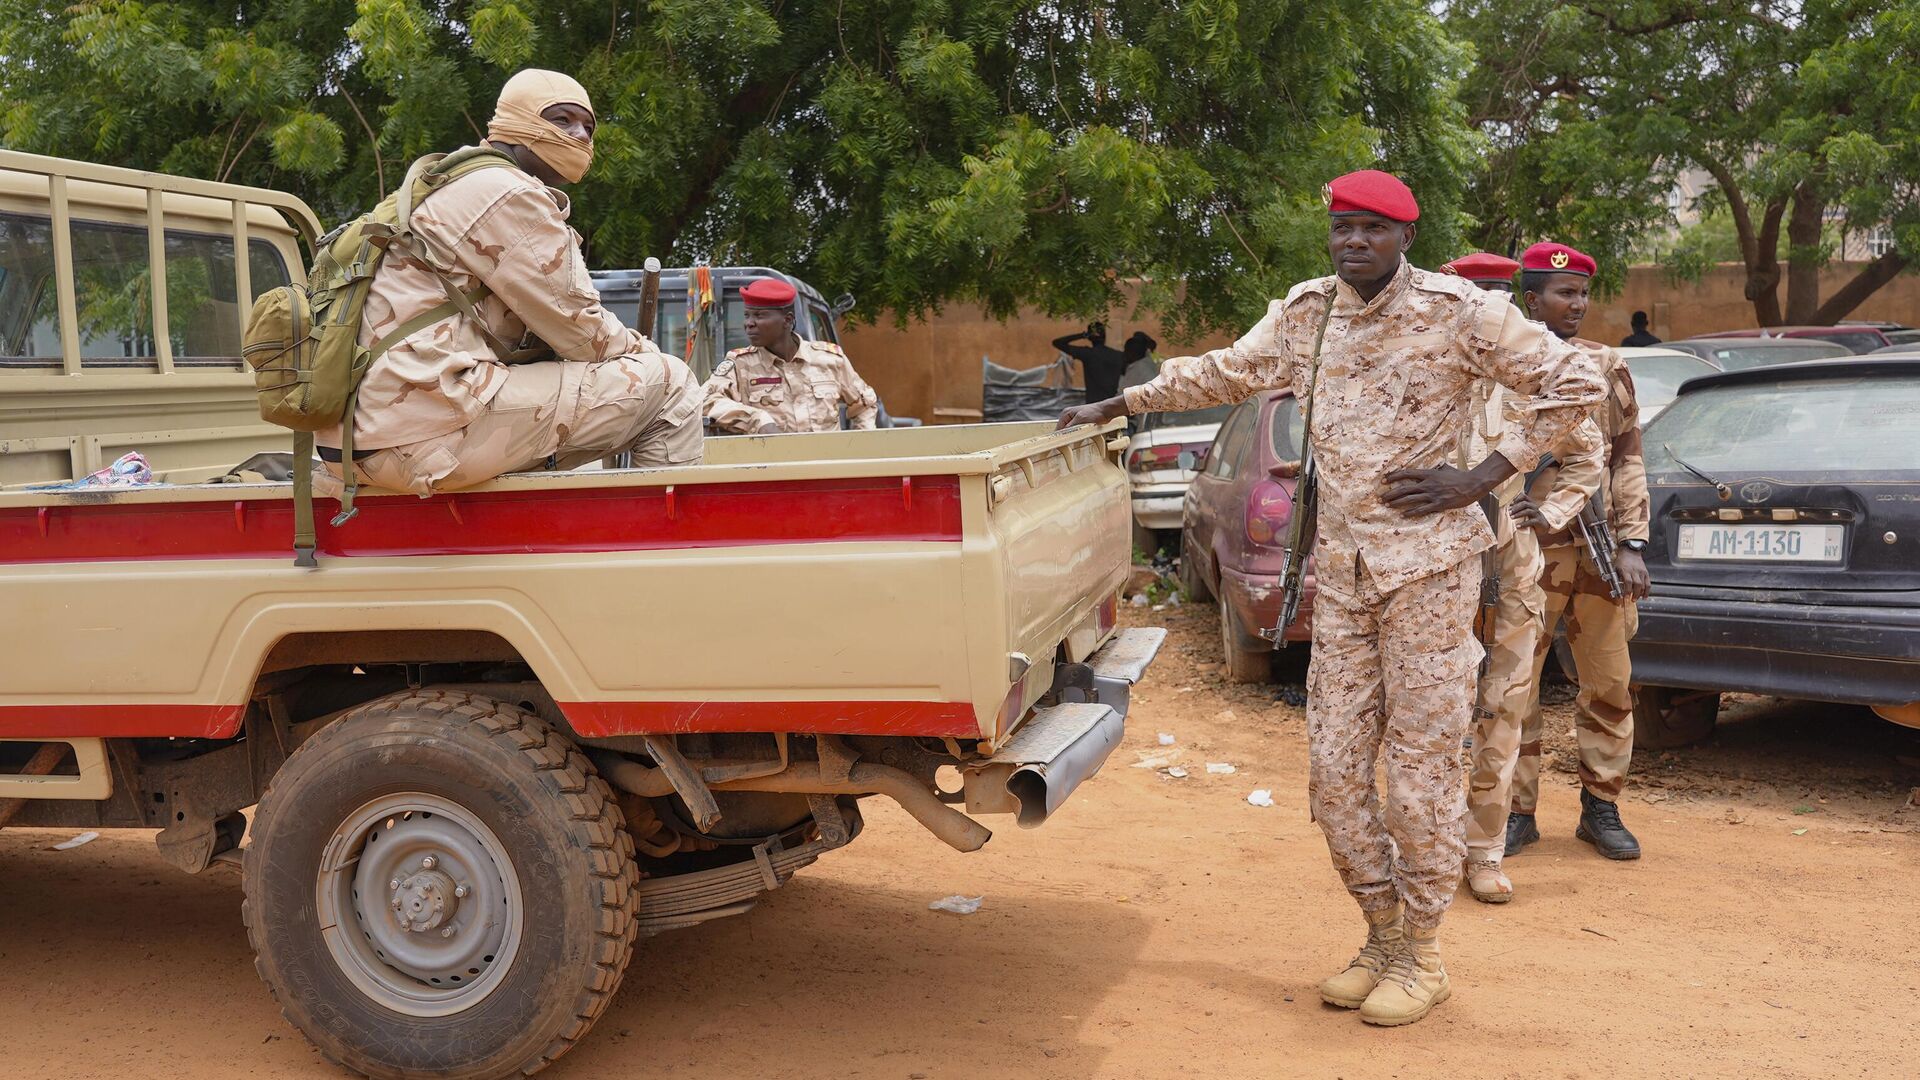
(1161, 463)
(1857, 339)
(1657, 375)
(1734, 353)
(1785, 553)
(1901, 337)
(1235, 529)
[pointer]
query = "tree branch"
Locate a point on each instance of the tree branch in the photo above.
(242, 152)
(1736, 203)
(379, 164)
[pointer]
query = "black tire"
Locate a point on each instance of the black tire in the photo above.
(1665, 717)
(550, 814)
(1244, 665)
(1191, 577)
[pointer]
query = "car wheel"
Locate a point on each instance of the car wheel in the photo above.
(438, 884)
(1191, 577)
(1244, 665)
(1665, 717)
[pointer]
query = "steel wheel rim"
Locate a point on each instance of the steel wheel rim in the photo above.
(419, 904)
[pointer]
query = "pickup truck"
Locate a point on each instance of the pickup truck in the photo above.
(498, 736)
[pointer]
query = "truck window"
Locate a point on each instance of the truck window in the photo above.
(113, 299)
(822, 329)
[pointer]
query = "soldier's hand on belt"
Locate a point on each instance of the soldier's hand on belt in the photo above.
(1419, 492)
(1632, 568)
(1526, 513)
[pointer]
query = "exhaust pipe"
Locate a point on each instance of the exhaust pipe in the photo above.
(1052, 753)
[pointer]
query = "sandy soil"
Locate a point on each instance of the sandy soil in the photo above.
(1158, 927)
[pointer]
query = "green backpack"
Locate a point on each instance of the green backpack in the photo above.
(303, 341)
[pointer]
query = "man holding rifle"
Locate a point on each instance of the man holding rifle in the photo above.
(1384, 357)
(1594, 574)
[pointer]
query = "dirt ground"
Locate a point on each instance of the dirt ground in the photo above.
(1158, 927)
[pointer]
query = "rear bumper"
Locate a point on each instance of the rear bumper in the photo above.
(1061, 746)
(1255, 599)
(1160, 506)
(1860, 655)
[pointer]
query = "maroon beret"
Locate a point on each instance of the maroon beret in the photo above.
(767, 293)
(1557, 259)
(1371, 191)
(1483, 266)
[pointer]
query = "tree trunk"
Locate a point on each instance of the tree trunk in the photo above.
(1803, 261)
(1864, 284)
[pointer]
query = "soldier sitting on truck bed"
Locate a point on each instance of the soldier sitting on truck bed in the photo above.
(449, 406)
(781, 383)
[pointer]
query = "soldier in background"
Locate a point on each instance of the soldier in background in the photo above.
(781, 383)
(455, 403)
(1555, 281)
(1506, 688)
(1385, 357)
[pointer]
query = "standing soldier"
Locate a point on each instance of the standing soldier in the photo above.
(1385, 357)
(781, 383)
(1505, 693)
(1555, 280)
(455, 401)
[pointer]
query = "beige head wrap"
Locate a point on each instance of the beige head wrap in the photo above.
(517, 119)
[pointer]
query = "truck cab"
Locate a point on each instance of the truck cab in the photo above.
(122, 297)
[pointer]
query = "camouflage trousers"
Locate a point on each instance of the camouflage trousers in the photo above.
(1598, 629)
(1393, 669)
(561, 412)
(1506, 693)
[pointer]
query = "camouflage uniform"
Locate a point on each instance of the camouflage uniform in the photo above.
(442, 411)
(753, 387)
(1598, 626)
(1506, 690)
(1393, 647)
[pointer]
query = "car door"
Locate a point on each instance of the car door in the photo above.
(1211, 502)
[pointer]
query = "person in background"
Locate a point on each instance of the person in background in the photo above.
(1100, 363)
(1641, 337)
(1554, 279)
(1491, 272)
(781, 383)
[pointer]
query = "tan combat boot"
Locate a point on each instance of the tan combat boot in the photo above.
(1413, 984)
(1385, 939)
(1486, 881)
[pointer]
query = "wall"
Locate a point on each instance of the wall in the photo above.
(935, 363)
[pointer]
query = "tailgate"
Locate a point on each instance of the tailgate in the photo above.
(1056, 521)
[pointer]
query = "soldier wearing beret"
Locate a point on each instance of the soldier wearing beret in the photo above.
(1506, 688)
(1384, 356)
(1554, 281)
(781, 383)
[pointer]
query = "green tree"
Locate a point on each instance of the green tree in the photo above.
(1802, 112)
(913, 151)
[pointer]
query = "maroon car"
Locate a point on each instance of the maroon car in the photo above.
(1234, 529)
(1857, 339)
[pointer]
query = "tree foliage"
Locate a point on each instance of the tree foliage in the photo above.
(1804, 113)
(913, 151)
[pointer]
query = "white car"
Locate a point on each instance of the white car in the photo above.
(1658, 373)
(1161, 461)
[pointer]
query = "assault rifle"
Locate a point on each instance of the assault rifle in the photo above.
(1301, 529)
(1593, 530)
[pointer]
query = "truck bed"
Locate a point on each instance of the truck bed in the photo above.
(899, 582)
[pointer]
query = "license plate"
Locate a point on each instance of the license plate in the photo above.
(1762, 543)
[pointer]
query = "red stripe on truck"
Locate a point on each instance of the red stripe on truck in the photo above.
(583, 520)
(591, 719)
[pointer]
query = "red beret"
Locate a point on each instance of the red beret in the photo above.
(1483, 266)
(768, 293)
(1557, 259)
(1371, 191)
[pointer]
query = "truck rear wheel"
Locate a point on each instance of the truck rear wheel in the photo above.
(1665, 717)
(438, 883)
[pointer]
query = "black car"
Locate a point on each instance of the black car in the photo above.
(1785, 553)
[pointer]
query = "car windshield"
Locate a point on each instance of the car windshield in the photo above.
(1776, 351)
(1855, 341)
(1192, 418)
(1657, 379)
(1832, 425)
